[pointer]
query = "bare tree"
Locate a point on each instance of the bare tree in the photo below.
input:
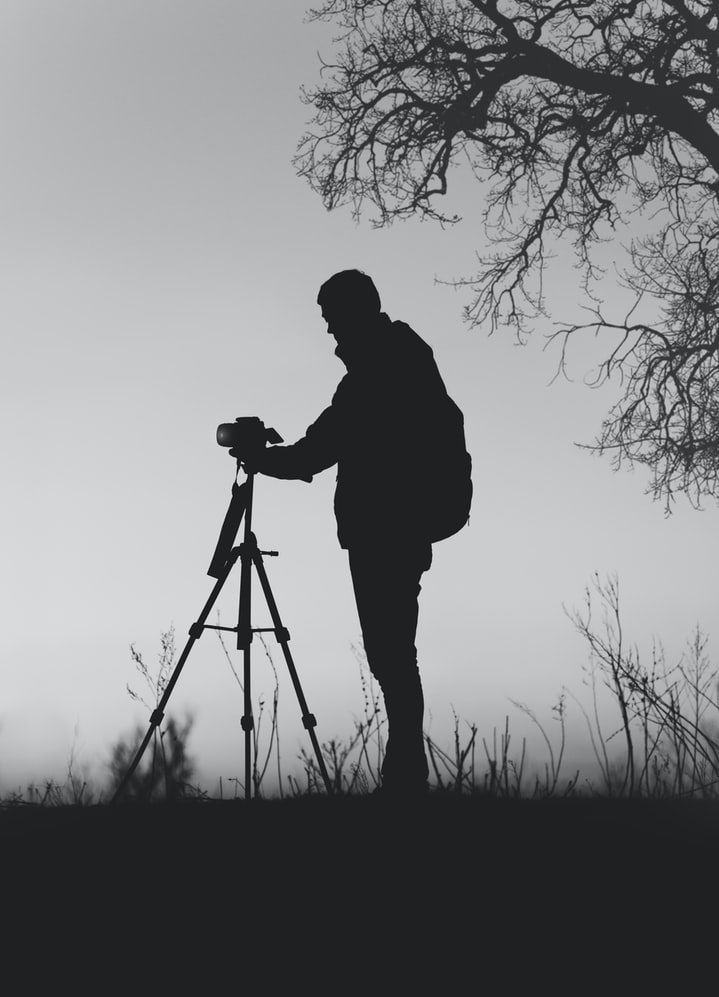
(577, 118)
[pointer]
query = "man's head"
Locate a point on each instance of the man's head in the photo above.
(349, 302)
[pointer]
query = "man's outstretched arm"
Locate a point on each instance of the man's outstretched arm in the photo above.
(317, 450)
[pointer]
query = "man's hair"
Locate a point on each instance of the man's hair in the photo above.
(350, 287)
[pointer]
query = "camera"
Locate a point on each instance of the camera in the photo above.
(246, 435)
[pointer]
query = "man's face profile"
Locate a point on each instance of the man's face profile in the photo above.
(345, 321)
(339, 321)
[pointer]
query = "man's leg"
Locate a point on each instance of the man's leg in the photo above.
(387, 584)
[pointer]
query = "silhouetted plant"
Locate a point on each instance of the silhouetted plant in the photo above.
(455, 772)
(670, 739)
(261, 756)
(75, 791)
(353, 766)
(166, 771)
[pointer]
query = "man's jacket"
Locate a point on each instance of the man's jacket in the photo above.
(391, 429)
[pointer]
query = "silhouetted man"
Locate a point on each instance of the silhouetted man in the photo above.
(384, 429)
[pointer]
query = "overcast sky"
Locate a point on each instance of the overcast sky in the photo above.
(160, 262)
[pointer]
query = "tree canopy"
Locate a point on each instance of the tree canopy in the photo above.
(575, 116)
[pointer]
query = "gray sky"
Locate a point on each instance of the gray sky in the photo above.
(160, 264)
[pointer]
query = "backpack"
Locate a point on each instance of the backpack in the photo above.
(447, 494)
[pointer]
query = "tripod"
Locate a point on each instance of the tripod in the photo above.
(222, 563)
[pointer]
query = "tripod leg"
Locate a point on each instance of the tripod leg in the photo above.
(244, 639)
(195, 632)
(282, 634)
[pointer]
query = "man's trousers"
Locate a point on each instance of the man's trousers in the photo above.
(386, 581)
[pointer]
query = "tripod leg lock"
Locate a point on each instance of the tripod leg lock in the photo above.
(156, 718)
(247, 723)
(196, 630)
(282, 634)
(308, 721)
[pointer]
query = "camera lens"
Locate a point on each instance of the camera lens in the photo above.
(226, 434)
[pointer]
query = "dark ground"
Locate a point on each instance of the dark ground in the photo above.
(362, 894)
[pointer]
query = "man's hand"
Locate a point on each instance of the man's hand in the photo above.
(250, 461)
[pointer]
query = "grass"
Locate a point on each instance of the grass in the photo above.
(663, 745)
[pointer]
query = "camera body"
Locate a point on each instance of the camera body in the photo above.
(246, 436)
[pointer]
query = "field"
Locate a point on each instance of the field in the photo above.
(498, 881)
(360, 893)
